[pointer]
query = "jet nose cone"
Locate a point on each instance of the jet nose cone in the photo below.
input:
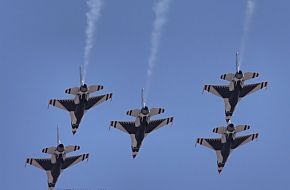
(134, 156)
(220, 168)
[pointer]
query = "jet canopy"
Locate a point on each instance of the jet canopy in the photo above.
(239, 75)
(231, 128)
(60, 148)
(145, 110)
(84, 88)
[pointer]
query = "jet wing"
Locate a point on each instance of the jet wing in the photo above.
(248, 89)
(214, 144)
(72, 160)
(218, 90)
(93, 101)
(42, 163)
(243, 140)
(67, 105)
(156, 124)
(125, 126)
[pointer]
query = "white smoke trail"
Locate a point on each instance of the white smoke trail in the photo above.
(250, 7)
(93, 15)
(160, 9)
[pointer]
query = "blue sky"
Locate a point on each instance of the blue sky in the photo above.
(41, 48)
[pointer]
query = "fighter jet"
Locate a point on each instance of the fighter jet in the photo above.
(236, 90)
(58, 162)
(227, 143)
(78, 106)
(142, 125)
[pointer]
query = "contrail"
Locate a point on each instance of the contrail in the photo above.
(250, 7)
(93, 15)
(160, 9)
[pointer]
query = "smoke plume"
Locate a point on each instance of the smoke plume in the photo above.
(93, 15)
(160, 9)
(250, 7)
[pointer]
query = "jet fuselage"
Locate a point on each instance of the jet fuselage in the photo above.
(227, 146)
(235, 95)
(56, 169)
(140, 130)
(80, 109)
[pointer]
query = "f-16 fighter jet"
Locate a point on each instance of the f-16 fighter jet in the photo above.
(227, 143)
(58, 162)
(142, 125)
(78, 106)
(236, 90)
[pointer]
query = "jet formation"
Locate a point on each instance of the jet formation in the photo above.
(139, 128)
(77, 107)
(231, 94)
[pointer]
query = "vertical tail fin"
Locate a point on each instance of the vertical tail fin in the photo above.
(57, 136)
(143, 104)
(237, 62)
(82, 82)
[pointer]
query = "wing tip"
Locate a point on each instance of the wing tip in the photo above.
(255, 136)
(199, 140)
(169, 120)
(77, 148)
(85, 156)
(206, 87)
(113, 124)
(129, 112)
(29, 161)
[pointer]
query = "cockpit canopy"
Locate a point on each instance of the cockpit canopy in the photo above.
(84, 88)
(231, 128)
(145, 110)
(239, 75)
(60, 148)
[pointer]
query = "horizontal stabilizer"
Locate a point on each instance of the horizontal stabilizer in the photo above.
(49, 150)
(228, 76)
(250, 75)
(240, 128)
(94, 88)
(134, 112)
(156, 111)
(219, 130)
(71, 148)
(74, 90)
